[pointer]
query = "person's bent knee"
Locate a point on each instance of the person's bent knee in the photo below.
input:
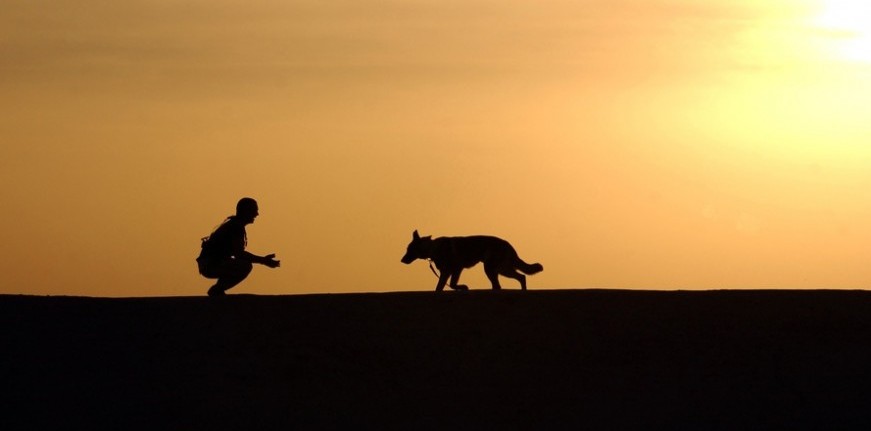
(245, 267)
(240, 269)
(230, 268)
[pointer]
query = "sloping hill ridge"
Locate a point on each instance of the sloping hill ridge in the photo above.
(562, 359)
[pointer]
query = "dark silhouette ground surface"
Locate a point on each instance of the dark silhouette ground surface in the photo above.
(574, 359)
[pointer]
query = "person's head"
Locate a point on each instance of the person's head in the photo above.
(246, 210)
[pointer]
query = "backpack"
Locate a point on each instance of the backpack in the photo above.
(209, 245)
(216, 243)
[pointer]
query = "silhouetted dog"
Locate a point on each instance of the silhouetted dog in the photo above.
(453, 254)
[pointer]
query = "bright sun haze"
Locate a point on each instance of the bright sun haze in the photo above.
(665, 144)
(850, 22)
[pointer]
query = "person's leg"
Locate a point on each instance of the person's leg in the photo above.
(230, 273)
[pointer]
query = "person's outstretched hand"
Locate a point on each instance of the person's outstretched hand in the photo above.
(269, 260)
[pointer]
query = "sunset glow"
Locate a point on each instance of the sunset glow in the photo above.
(849, 21)
(666, 144)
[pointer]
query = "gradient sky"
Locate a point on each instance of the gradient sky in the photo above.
(664, 144)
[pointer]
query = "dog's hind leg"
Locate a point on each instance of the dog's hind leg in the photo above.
(517, 276)
(493, 275)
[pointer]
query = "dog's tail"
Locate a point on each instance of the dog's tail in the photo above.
(527, 268)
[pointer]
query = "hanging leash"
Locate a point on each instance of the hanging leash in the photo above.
(433, 269)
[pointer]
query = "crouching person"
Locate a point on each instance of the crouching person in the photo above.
(223, 256)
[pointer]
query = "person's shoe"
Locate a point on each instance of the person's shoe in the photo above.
(215, 291)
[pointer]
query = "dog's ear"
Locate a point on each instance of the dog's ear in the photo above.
(415, 235)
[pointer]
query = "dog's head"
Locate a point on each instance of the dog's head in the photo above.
(418, 248)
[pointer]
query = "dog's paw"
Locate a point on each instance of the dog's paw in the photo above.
(460, 287)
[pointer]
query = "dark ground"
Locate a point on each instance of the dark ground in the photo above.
(575, 359)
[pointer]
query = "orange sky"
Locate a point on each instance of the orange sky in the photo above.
(668, 144)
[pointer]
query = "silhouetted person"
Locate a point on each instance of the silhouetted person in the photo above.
(223, 255)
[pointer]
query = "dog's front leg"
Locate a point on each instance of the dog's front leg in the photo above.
(443, 279)
(455, 278)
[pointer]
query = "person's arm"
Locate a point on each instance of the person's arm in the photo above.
(241, 253)
(268, 260)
